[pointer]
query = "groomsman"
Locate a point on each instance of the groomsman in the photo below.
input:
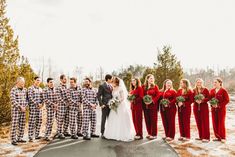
(35, 109)
(19, 103)
(51, 100)
(90, 103)
(76, 97)
(63, 109)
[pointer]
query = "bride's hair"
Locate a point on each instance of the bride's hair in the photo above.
(116, 80)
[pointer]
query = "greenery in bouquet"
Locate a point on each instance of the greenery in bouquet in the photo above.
(147, 99)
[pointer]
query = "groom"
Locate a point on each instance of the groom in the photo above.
(104, 95)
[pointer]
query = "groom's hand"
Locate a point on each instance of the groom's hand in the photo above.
(103, 106)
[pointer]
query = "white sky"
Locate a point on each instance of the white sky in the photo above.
(112, 33)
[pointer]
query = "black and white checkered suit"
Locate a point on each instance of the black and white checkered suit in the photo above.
(89, 96)
(18, 100)
(35, 113)
(50, 99)
(63, 109)
(75, 106)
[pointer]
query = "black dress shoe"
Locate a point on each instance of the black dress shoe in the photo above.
(38, 138)
(61, 136)
(14, 143)
(21, 141)
(47, 139)
(102, 136)
(86, 138)
(74, 137)
(79, 135)
(55, 136)
(30, 140)
(95, 136)
(67, 134)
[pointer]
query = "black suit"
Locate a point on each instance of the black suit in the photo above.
(104, 95)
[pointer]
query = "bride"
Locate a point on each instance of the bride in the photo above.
(119, 124)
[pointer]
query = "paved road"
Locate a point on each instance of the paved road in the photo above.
(106, 148)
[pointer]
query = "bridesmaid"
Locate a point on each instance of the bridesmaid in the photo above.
(184, 109)
(168, 112)
(151, 110)
(219, 111)
(136, 107)
(201, 111)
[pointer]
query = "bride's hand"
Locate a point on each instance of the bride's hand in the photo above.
(103, 106)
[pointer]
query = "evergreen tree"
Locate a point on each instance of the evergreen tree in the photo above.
(11, 64)
(167, 67)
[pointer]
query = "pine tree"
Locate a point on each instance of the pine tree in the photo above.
(127, 80)
(10, 65)
(167, 67)
(146, 72)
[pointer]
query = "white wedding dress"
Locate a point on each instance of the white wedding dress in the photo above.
(119, 125)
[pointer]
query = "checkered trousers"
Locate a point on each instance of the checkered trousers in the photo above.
(89, 96)
(18, 99)
(89, 116)
(50, 97)
(79, 120)
(35, 114)
(63, 109)
(75, 105)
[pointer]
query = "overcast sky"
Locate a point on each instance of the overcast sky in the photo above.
(112, 33)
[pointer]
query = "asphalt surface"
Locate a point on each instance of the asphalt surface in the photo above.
(106, 148)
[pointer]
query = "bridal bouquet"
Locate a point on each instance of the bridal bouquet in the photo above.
(147, 99)
(131, 97)
(214, 102)
(113, 104)
(199, 97)
(180, 99)
(165, 102)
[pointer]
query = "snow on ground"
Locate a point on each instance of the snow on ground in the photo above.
(184, 149)
(197, 148)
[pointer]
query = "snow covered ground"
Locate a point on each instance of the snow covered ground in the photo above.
(184, 149)
(197, 148)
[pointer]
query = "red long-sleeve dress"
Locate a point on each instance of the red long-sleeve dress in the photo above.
(219, 114)
(201, 114)
(137, 110)
(168, 113)
(184, 113)
(151, 110)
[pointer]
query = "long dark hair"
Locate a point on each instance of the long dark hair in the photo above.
(188, 85)
(138, 84)
(146, 81)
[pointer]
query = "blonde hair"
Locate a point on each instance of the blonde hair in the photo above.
(199, 79)
(146, 81)
(20, 79)
(164, 85)
(195, 87)
(188, 85)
